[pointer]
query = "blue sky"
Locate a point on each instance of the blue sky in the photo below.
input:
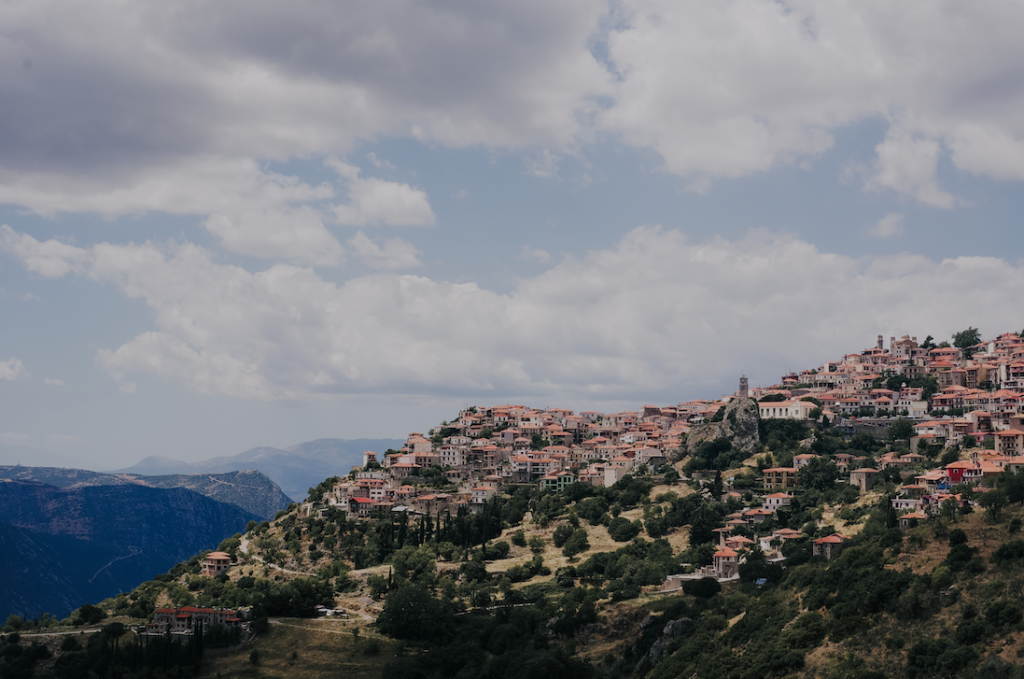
(252, 223)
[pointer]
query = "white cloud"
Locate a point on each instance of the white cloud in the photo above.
(50, 259)
(379, 162)
(64, 439)
(12, 369)
(543, 165)
(257, 213)
(376, 201)
(888, 226)
(529, 252)
(53, 382)
(13, 439)
(296, 235)
(172, 109)
(908, 164)
(732, 88)
(156, 89)
(642, 318)
(396, 253)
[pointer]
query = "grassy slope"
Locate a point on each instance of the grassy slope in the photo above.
(322, 648)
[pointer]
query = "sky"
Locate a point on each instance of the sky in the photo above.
(235, 224)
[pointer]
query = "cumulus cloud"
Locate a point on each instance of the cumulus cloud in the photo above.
(731, 88)
(396, 253)
(296, 235)
(652, 313)
(528, 252)
(50, 259)
(379, 162)
(12, 369)
(147, 90)
(376, 201)
(888, 226)
(168, 109)
(907, 164)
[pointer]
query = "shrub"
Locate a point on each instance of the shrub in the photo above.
(561, 534)
(1009, 551)
(705, 588)
(622, 529)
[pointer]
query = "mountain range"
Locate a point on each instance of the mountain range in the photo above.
(62, 547)
(296, 468)
(250, 490)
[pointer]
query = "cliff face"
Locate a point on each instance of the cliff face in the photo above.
(740, 425)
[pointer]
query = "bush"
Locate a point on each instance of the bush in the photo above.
(1009, 551)
(1002, 613)
(499, 550)
(519, 538)
(561, 534)
(576, 543)
(411, 612)
(622, 529)
(705, 588)
(971, 631)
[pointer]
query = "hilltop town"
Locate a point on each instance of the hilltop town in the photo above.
(970, 396)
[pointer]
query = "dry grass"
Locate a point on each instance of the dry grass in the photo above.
(322, 649)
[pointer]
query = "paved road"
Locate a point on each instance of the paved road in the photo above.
(57, 634)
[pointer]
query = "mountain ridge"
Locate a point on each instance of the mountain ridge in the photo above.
(251, 490)
(295, 469)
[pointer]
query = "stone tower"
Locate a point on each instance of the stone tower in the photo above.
(744, 391)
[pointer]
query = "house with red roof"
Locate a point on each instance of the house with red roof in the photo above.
(828, 546)
(187, 619)
(216, 563)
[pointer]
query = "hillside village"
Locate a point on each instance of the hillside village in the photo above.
(969, 398)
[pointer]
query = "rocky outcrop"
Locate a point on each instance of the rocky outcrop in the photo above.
(738, 424)
(674, 629)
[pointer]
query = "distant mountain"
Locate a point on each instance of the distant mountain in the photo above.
(296, 468)
(251, 490)
(92, 542)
